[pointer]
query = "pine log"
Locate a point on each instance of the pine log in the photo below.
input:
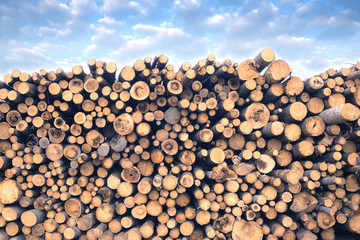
(340, 114)
(277, 71)
(264, 58)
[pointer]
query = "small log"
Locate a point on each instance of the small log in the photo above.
(264, 58)
(4, 130)
(244, 230)
(224, 224)
(257, 114)
(313, 126)
(127, 74)
(140, 91)
(172, 115)
(204, 135)
(153, 208)
(73, 207)
(170, 147)
(216, 156)
(290, 176)
(265, 163)
(340, 114)
(124, 124)
(243, 169)
(104, 213)
(314, 84)
(86, 222)
(303, 202)
(294, 112)
(221, 173)
(277, 71)
(32, 217)
(131, 175)
(72, 233)
(94, 138)
(273, 129)
(247, 70)
(325, 221)
(10, 191)
(11, 213)
(170, 182)
(139, 212)
(294, 86)
(353, 224)
(303, 149)
(118, 143)
(303, 234)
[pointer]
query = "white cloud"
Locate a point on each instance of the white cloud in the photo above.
(110, 22)
(123, 6)
(26, 60)
(83, 9)
(217, 19)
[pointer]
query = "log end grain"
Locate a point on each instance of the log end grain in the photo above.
(9, 191)
(350, 112)
(257, 114)
(127, 74)
(140, 91)
(104, 213)
(124, 124)
(244, 230)
(267, 55)
(73, 207)
(297, 111)
(277, 71)
(217, 155)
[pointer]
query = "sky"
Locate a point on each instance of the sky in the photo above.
(311, 35)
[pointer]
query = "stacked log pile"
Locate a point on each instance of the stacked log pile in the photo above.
(218, 150)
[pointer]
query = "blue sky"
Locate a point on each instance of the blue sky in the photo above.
(311, 35)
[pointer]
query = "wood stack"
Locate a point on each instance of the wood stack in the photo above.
(218, 150)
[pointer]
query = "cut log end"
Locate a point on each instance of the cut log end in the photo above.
(124, 124)
(244, 230)
(257, 114)
(9, 191)
(140, 91)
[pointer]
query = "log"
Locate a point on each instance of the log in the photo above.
(123, 124)
(313, 126)
(74, 207)
(303, 202)
(257, 114)
(264, 58)
(32, 217)
(243, 230)
(104, 213)
(224, 224)
(265, 163)
(139, 91)
(277, 71)
(127, 74)
(247, 70)
(340, 114)
(10, 191)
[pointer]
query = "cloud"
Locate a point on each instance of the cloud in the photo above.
(123, 7)
(152, 40)
(310, 34)
(29, 59)
(84, 9)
